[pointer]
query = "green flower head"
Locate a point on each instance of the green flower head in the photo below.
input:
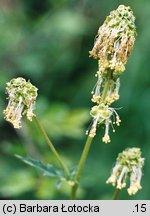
(115, 40)
(129, 164)
(22, 96)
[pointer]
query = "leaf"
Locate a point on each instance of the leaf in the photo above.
(48, 169)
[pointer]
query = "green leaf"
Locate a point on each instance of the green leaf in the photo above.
(48, 169)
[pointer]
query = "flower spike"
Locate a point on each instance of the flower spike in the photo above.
(112, 47)
(115, 40)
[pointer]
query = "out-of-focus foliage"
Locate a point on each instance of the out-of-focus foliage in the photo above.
(48, 43)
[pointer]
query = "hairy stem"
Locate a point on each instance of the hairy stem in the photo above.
(52, 146)
(87, 146)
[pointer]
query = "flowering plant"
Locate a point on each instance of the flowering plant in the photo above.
(113, 45)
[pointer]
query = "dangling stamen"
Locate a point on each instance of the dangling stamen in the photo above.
(106, 137)
(121, 180)
(139, 176)
(30, 113)
(97, 91)
(133, 188)
(116, 90)
(115, 172)
(92, 131)
(118, 120)
(129, 164)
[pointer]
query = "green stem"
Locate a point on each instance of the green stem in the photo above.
(105, 92)
(116, 194)
(81, 166)
(106, 86)
(52, 146)
(87, 145)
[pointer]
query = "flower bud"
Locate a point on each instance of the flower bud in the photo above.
(22, 96)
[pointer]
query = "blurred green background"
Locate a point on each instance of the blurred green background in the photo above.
(48, 42)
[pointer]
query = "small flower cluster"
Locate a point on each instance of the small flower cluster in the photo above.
(112, 93)
(129, 164)
(113, 45)
(22, 96)
(103, 114)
